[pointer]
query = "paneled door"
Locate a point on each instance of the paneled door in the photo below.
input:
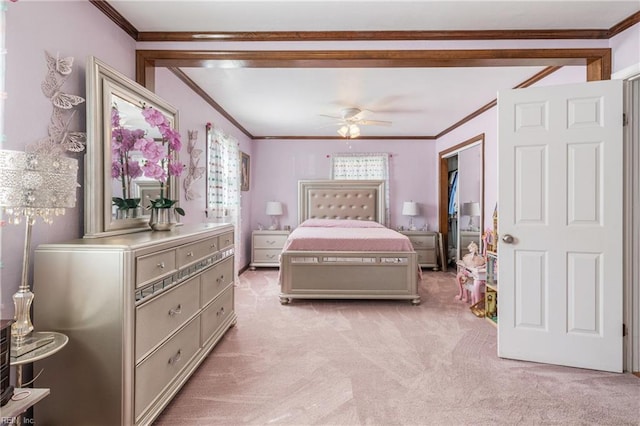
(560, 190)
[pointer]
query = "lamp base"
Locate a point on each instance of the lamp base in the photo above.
(30, 343)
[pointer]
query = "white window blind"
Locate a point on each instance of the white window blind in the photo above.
(223, 181)
(363, 166)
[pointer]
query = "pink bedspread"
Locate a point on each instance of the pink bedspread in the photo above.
(345, 235)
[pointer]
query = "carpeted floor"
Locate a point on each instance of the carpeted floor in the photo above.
(384, 363)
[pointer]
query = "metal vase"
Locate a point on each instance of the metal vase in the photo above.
(162, 219)
(130, 213)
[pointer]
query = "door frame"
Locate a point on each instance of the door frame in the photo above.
(631, 273)
(443, 185)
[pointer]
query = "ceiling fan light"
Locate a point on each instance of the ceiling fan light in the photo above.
(354, 131)
(343, 131)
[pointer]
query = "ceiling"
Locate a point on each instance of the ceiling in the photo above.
(420, 101)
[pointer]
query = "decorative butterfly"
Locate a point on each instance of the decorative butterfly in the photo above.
(196, 172)
(61, 65)
(194, 152)
(59, 132)
(51, 89)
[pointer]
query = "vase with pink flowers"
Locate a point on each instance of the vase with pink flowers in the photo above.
(135, 154)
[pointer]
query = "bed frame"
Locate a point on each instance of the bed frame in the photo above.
(340, 274)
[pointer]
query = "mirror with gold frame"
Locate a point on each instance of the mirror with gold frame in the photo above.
(104, 192)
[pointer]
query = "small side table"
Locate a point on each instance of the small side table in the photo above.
(266, 246)
(16, 408)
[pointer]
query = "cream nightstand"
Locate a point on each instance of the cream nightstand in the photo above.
(266, 247)
(425, 243)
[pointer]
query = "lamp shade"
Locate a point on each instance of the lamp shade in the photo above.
(410, 208)
(37, 184)
(470, 209)
(274, 208)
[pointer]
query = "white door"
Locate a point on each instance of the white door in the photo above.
(560, 189)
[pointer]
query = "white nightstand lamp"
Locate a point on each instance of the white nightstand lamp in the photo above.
(471, 209)
(410, 208)
(274, 209)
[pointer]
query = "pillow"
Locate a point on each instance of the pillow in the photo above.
(340, 223)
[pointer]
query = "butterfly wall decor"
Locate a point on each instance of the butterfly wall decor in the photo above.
(60, 137)
(194, 172)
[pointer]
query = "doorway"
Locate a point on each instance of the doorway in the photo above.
(461, 206)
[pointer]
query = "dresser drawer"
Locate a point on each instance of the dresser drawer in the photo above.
(215, 314)
(225, 240)
(426, 257)
(164, 314)
(423, 241)
(157, 371)
(269, 241)
(193, 252)
(266, 255)
(215, 279)
(153, 266)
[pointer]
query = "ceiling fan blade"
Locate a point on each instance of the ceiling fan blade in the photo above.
(331, 116)
(374, 123)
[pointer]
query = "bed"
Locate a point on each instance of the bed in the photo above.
(379, 264)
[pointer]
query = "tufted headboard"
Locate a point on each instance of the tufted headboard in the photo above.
(341, 199)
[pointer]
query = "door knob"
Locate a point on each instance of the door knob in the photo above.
(508, 239)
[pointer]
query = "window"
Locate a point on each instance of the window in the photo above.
(223, 180)
(363, 166)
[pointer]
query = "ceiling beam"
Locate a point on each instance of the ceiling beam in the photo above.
(251, 36)
(370, 58)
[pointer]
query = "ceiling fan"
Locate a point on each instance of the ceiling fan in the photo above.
(351, 118)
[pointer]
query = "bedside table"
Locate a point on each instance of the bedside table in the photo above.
(266, 247)
(425, 243)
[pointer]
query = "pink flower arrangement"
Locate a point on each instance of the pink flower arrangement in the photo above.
(158, 157)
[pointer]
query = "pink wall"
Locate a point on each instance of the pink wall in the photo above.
(77, 29)
(194, 114)
(280, 164)
(33, 28)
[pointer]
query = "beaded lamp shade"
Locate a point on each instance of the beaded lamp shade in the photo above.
(36, 184)
(33, 184)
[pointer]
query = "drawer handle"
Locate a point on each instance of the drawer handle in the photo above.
(220, 279)
(272, 242)
(190, 254)
(220, 312)
(418, 243)
(160, 265)
(271, 256)
(212, 246)
(227, 241)
(175, 311)
(174, 359)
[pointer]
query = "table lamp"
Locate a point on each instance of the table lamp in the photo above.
(410, 208)
(31, 185)
(471, 209)
(274, 209)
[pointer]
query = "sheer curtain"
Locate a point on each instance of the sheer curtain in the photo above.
(363, 166)
(223, 182)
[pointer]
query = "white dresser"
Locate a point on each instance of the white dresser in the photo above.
(266, 247)
(425, 244)
(141, 311)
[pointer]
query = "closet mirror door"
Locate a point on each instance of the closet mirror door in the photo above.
(461, 211)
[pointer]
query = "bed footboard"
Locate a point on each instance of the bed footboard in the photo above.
(348, 275)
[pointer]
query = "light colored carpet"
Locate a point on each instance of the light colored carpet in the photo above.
(384, 363)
